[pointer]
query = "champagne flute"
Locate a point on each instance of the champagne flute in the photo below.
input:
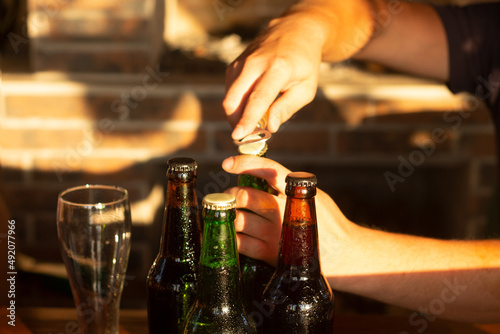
(94, 227)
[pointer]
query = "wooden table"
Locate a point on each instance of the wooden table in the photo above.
(62, 320)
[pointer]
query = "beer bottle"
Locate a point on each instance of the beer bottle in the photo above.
(298, 298)
(219, 306)
(258, 149)
(171, 282)
(255, 274)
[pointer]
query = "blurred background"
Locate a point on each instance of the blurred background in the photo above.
(106, 91)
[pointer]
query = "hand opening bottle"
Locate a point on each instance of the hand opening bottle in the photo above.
(255, 274)
(171, 282)
(219, 306)
(298, 298)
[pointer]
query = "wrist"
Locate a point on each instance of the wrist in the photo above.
(343, 28)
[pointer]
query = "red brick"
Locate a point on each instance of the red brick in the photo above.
(14, 167)
(389, 141)
(224, 142)
(432, 117)
(224, 15)
(41, 138)
(57, 169)
(117, 107)
(443, 118)
(116, 36)
(46, 230)
(96, 28)
(320, 110)
(103, 59)
(11, 174)
(187, 107)
(104, 5)
(479, 205)
(126, 168)
(39, 106)
(164, 141)
(110, 20)
(212, 109)
(488, 175)
(353, 111)
(479, 144)
(42, 196)
(300, 142)
(475, 112)
(29, 198)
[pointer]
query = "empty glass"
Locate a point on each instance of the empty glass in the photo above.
(94, 226)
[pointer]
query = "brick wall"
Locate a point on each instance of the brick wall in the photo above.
(103, 36)
(395, 152)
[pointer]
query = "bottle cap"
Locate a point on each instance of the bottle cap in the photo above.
(258, 135)
(301, 184)
(258, 148)
(219, 201)
(181, 168)
(301, 179)
(182, 164)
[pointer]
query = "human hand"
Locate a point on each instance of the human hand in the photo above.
(258, 227)
(278, 72)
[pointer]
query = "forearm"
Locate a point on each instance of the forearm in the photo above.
(402, 35)
(453, 279)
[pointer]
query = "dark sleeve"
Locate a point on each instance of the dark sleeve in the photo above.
(473, 34)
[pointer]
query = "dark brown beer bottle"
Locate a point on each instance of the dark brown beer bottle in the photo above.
(255, 274)
(218, 308)
(298, 298)
(171, 282)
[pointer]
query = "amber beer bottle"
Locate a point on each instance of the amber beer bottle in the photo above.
(219, 305)
(255, 274)
(298, 298)
(171, 282)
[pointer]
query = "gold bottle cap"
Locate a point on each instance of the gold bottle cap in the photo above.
(219, 201)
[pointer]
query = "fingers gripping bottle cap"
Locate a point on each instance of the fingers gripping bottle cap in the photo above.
(260, 134)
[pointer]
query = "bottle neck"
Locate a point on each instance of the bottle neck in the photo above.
(219, 275)
(299, 250)
(246, 180)
(181, 236)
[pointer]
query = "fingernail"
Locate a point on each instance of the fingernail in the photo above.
(238, 132)
(274, 125)
(228, 163)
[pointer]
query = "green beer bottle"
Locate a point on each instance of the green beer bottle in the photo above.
(258, 149)
(171, 282)
(298, 298)
(255, 274)
(218, 307)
